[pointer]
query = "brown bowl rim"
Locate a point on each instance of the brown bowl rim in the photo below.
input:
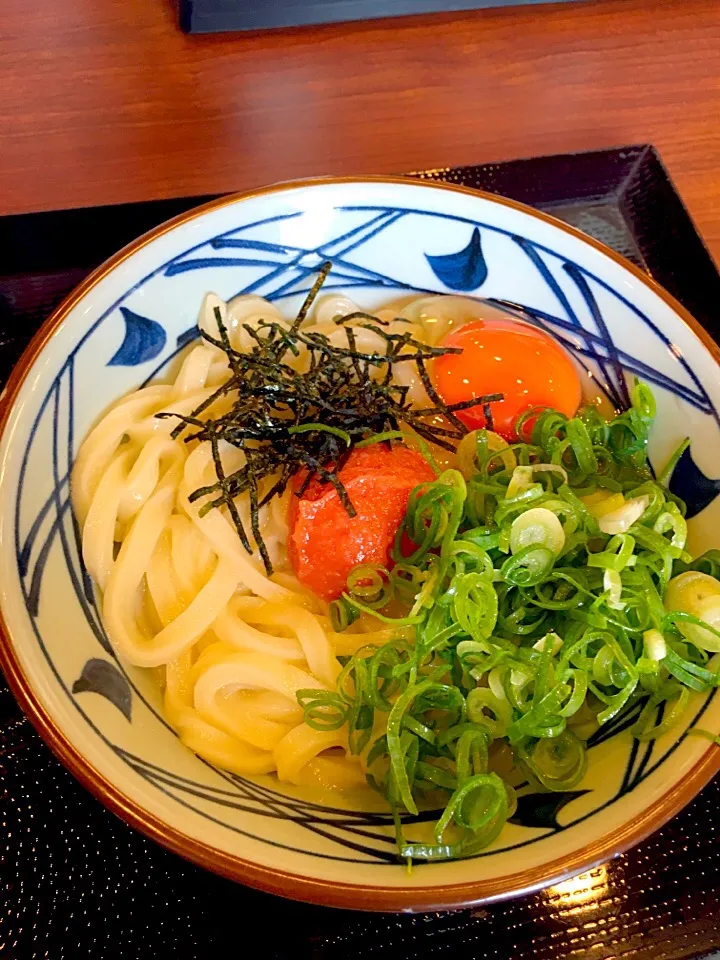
(295, 886)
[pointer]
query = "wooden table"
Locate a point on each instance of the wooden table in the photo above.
(106, 101)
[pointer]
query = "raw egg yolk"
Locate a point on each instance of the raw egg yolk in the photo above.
(510, 357)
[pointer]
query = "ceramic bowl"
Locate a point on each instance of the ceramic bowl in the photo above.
(123, 326)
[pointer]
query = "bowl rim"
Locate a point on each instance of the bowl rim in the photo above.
(268, 879)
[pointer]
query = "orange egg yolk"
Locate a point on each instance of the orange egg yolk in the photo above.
(510, 357)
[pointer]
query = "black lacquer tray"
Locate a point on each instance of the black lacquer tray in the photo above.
(217, 16)
(75, 882)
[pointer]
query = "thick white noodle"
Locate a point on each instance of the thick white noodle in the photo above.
(182, 594)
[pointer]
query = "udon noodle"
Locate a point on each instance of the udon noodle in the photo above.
(230, 646)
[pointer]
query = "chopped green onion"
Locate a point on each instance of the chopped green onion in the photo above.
(523, 619)
(706, 734)
(537, 527)
(479, 702)
(322, 709)
(667, 470)
(321, 428)
(655, 646)
(342, 614)
(528, 566)
(381, 438)
(559, 762)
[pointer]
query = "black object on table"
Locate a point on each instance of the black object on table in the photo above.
(218, 16)
(75, 882)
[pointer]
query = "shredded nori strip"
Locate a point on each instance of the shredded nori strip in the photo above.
(350, 392)
(487, 411)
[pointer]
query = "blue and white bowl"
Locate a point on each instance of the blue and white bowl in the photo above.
(121, 328)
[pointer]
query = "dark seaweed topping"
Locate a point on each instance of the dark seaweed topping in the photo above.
(285, 421)
(487, 412)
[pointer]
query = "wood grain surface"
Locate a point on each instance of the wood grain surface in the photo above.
(106, 101)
